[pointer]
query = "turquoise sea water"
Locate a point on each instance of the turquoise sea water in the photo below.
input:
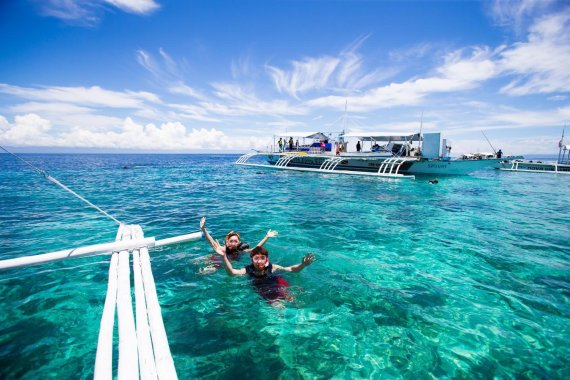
(469, 278)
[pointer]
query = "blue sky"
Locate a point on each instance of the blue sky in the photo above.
(194, 76)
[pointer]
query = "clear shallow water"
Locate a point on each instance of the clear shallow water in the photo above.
(469, 278)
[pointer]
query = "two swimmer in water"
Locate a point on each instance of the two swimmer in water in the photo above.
(261, 271)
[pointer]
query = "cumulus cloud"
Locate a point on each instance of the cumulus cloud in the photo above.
(32, 130)
(27, 130)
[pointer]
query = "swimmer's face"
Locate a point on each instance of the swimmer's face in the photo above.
(259, 261)
(232, 242)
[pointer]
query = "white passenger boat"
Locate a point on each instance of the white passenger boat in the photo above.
(561, 166)
(397, 155)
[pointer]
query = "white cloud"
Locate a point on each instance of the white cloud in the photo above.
(308, 74)
(89, 12)
(243, 101)
(193, 112)
(242, 67)
(456, 74)
(84, 13)
(183, 89)
(165, 69)
(168, 73)
(343, 73)
(92, 96)
(135, 6)
(514, 13)
(411, 53)
(32, 130)
(66, 115)
(52, 108)
(147, 61)
(27, 130)
(541, 64)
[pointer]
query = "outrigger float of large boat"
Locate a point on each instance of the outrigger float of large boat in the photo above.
(397, 157)
(561, 166)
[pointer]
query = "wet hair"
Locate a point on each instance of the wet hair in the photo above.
(231, 234)
(259, 251)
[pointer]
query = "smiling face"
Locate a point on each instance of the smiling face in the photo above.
(259, 261)
(232, 241)
(259, 258)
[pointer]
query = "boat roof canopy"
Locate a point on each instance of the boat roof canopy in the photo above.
(307, 135)
(384, 136)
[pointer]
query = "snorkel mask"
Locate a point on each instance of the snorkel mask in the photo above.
(257, 263)
(263, 266)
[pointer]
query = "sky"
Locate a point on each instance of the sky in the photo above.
(226, 76)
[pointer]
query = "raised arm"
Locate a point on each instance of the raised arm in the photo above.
(270, 234)
(206, 233)
(229, 269)
(307, 260)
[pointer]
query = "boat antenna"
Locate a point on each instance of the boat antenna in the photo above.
(345, 114)
(420, 137)
(53, 180)
(489, 142)
(561, 144)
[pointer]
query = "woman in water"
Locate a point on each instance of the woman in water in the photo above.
(261, 271)
(233, 247)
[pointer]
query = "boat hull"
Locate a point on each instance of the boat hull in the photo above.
(535, 167)
(370, 163)
(452, 167)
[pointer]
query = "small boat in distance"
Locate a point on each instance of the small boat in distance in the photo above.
(383, 154)
(562, 165)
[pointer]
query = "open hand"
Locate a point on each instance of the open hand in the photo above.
(308, 259)
(271, 234)
(220, 250)
(203, 223)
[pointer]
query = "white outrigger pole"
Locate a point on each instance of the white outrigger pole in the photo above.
(143, 346)
(138, 357)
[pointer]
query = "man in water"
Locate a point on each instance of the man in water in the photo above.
(234, 247)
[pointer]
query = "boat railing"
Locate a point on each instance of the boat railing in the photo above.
(392, 165)
(244, 158)
(285, 160)
(331, 163)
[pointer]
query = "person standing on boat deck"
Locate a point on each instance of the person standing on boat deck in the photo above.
(358, 147)
(297, 144)
(291, 144)
(499, 154)
(280, 142)
(233, 247)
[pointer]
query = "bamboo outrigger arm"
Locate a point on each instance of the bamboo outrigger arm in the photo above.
(97, 249)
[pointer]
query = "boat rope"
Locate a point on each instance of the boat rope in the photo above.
(53, 180)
